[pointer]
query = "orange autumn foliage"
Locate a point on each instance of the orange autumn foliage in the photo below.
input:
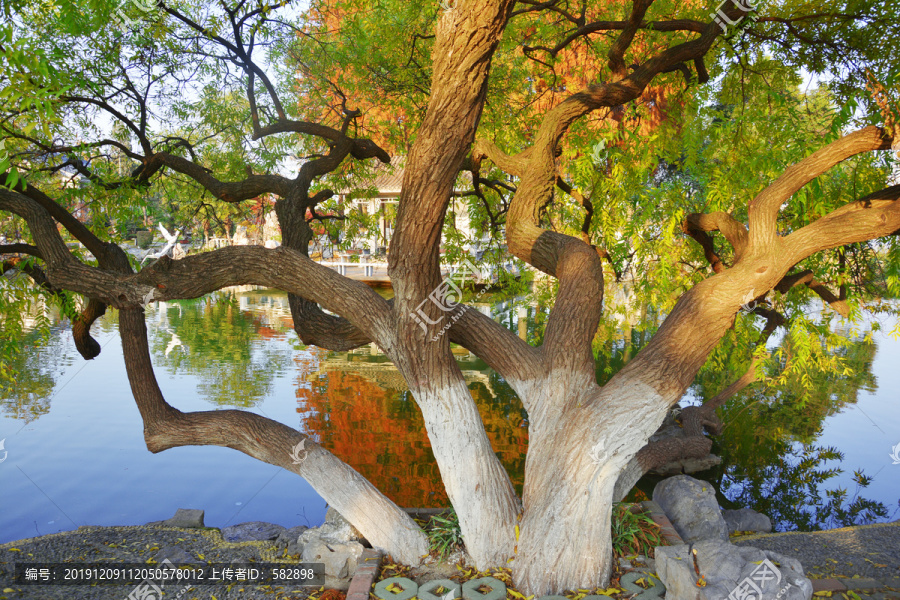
(380, 433)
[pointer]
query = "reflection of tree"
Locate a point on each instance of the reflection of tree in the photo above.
(37, 367)
(222, 346)
(790, 491)
(770, 463)
(380, 432)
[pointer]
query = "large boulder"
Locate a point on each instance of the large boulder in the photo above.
(337, 528)
(252, 531)
(692, 508)
(746, 519)
(730, 571)
(340, 559)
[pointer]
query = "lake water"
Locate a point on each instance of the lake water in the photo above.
(75, 454)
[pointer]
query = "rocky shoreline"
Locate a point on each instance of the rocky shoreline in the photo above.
(184, 539)
(865, 559)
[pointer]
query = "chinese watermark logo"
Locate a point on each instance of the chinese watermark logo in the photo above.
(296, 450)
(6, 453)
(122, 21)
(751, 588)
(447, 296)
(748, 304)
(448, 5)
(895, 454)
(721, 18)
(149, 590)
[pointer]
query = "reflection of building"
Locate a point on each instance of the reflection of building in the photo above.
(375, 367)
(386, 185)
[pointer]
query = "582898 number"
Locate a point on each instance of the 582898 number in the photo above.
(292, 573)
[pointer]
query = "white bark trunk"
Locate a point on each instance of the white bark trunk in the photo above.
(577, 451)
(477, 484)
(382, 522)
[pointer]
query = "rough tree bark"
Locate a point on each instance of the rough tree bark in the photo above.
(584, 439)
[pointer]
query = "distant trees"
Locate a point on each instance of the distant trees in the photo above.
(778, 201)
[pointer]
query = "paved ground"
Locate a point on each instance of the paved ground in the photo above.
(854, 556)
(137, 545)
(857, 556)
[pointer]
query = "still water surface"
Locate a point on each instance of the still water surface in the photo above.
(76, 455)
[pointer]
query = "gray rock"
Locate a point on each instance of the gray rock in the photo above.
(692, 507)
(726, 568)
(688, 465)
(184, 517)
(746, 519)
(337, 528)
(339, 557)
(289, 538)
(175, 555)
(252, 531)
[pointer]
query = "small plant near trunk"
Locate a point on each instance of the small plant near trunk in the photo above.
(633, 533)
(444, 535)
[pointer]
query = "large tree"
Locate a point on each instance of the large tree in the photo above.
(209, 97)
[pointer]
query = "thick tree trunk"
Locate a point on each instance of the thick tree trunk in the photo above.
(576, 453)
(476, 483)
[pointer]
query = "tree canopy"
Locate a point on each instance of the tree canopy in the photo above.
(660, 169)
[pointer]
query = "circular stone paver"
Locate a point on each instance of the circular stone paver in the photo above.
(410, 589)
(427, 590)
(656, 589)
(470, 589)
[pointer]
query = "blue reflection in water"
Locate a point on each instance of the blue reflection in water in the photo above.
(75, 453)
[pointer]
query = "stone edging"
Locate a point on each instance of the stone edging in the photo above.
(364, 576)
(370, 561)
(819, 585)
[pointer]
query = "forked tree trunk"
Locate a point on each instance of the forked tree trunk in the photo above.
(575, 455)
(478, 486)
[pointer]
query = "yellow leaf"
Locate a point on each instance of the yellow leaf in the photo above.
(8, 590)
(823, 594)
(517, 533)
(14, 550)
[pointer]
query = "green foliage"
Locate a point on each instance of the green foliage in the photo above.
(633, 533)
(444, 534)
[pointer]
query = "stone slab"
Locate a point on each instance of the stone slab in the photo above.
(863, 583)
(828, 585)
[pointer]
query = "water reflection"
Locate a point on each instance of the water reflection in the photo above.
(223, 343)
(771, 461)
(38, 367)
(235, 346)
(356, 404)
(359, 407)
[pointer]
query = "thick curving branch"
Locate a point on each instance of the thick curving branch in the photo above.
(197, 275)
(382, 523)
(733, 230)
(807, 278)
(232, 191)
(763, 211)
(875, 215)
